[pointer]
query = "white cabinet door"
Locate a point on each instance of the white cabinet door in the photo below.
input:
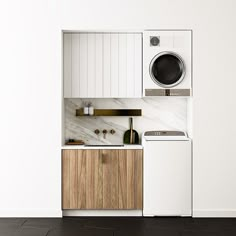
(115, 65)
(67, 70)
(138, 79)
(106, 65)
(102, 65)
(98, 66)
(91, 65)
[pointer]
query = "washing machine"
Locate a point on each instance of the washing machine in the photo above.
(167, 62)
(167, 174)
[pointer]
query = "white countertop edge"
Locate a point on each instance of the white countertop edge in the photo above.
(102, 147)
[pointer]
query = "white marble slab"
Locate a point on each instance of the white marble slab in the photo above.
(161, 113)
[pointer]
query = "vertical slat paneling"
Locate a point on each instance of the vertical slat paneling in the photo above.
(75, 68)
(99, 65)
(83, 76)
(138, 65)
(67, 65)
(91, 65)
(122, 65)
(107, 65)
(115, 65)
(103, 65)
(130, 65)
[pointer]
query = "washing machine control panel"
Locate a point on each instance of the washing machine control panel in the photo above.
(164, 133)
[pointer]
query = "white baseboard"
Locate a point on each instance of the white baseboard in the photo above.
(102, 213)
(48, 213)
(58, 213)
(214, 213)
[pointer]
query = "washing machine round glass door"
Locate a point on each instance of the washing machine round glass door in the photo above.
(167, 69)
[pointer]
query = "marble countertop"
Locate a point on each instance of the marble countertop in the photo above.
(128, 146)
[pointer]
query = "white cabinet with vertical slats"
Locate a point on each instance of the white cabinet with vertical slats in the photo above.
(102, 65)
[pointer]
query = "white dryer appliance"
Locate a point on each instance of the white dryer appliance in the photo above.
(167, 174)
(167, 63)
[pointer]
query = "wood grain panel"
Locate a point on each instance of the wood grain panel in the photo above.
(122, 178)
(81, 175)
(110, 179)
(130, 179)
(93, 180)
(73, 179)
(114, 179)
(73, 176)
(99, 183)
(102, 179)
(138, 179)
(65, 179)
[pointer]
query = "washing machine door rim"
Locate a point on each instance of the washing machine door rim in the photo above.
(176, 67)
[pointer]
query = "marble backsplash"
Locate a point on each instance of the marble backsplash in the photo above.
(157, 114)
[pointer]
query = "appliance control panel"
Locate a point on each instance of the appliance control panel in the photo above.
(164, 133)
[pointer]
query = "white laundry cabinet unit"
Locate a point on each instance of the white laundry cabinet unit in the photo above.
(102, 65)
(167, 174)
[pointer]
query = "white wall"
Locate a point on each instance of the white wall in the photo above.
(31, 86)
(30, 101)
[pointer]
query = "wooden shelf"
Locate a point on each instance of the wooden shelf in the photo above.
(111, 112)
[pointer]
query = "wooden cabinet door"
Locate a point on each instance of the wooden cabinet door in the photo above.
(82, 179)
(110, 178)
(130, 179)
(102, 179)
(122, 179)
(93, 179)
(73, 179)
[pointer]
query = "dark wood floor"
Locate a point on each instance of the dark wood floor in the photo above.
(117, 226)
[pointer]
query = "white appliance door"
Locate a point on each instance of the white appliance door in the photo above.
(167, 178)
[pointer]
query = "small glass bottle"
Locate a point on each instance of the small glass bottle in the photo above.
(86, 109)
(91, 109)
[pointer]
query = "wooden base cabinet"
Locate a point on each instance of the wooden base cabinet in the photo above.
(102, 179)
